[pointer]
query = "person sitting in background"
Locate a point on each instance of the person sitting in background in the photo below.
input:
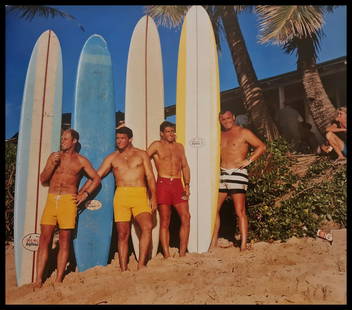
(336, 134)
(242, 120)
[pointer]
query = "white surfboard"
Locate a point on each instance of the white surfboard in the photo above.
(197, 123)
(39, 136)
(144, 105)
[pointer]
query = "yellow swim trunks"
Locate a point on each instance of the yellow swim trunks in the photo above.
(60, 209)
(130, 201)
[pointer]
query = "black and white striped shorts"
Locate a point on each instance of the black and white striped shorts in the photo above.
(233, 180)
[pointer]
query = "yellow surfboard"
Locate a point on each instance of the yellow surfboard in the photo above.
(197, 124)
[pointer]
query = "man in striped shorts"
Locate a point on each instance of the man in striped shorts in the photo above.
(235, 144)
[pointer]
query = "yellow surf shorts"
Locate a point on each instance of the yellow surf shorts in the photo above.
(61, 210)
(130, 201)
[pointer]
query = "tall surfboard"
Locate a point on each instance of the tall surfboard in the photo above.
(38, 137)
(144, 105)
(197, 124)
(94, 119)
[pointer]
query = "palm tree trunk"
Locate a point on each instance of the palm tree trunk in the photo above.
(252, 93)
(322, 110)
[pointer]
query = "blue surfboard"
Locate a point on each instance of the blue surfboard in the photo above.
(94, 119)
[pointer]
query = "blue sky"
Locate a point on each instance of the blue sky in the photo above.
(116, 24)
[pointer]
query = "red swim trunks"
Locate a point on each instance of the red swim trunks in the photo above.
(169, 191)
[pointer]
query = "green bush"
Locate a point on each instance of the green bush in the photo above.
(305, 204)
(10, 173)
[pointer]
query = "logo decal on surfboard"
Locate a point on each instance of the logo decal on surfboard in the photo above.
(196, 142)
(93, 205)
(31, 242)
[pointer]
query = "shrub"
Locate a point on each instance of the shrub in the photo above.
(10, 174)
(280, 206)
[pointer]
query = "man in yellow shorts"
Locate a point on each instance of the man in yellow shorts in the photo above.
(62, 172)
(133, 173)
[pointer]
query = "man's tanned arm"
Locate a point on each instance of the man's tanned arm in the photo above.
(150, 179)
(103, 170)
(186, 173)
(94, 180)
(49, 169)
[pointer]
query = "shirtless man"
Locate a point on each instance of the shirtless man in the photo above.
(171, 163)
(62, 173)
(336, 134)
(131, 168)
(235, 143)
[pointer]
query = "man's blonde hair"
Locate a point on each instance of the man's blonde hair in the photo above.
(342, 109)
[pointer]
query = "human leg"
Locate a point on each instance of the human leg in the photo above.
(164, 234)
(64, 251)
(336, 143)
(123, 233)
(46, 235)
(239, 201)
(145, 222)
(214, 240)
(185, 217)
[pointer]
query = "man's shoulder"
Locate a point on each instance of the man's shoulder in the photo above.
(112, 155)
(179, 145)
(236, 132)
(139, 152)
(156, 143)
(82, 159)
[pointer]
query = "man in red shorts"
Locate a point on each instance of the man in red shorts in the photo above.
(171, 163)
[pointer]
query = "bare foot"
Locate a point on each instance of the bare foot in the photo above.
(224, 243)
(247, 247)
(212, 247)
(340, 160)
(37, 285)
(141, 267)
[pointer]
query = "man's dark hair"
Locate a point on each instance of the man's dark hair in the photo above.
(74, 133)
(223, 110)
(165, 124)
(125, 130)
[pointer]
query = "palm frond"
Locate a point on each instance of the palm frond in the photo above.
(170, 16)
(216, 19)
(280, 24)
(28, 12)
(310, 46)
(244, 8)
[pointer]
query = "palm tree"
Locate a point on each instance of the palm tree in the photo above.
(224, 19)
(28, 12)
(299, 28)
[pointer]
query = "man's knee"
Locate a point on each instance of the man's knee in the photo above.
(186, 218)
(45, 239)
(123, 234)
(329, 135)
(164, 223)
(241, 212)
(146, 224)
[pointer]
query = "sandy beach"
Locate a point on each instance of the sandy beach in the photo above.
(299, 271)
